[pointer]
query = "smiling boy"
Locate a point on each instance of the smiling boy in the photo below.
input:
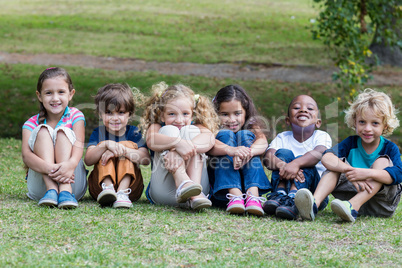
(364, 171)
(294, 157)
(116, 149)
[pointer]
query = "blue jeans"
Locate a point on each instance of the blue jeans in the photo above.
(312, 178)
(223, 176)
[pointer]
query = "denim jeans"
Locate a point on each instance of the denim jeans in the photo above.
(312, 178)
(223, 176)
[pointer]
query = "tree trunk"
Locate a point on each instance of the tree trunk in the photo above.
(387, 55)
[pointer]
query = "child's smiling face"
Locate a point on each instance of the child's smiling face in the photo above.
(115, 121)
(178, 112)
(369, 127)
(55, 95)
(303, 112)
(232, 115)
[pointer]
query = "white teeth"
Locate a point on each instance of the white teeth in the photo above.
(303, 117)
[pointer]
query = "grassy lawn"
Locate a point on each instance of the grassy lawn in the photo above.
(261, 31)
(150, 235)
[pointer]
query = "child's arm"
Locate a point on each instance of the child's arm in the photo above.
(31, 159)
(159, 142)
(66, 168)
(333, 163)
(221, 148)
(260, 144)
(138, 156)
(204, 141)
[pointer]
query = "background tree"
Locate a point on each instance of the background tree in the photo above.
(353, 30)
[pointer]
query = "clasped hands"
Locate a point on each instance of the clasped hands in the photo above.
(291, 171)
(360, 178)
(183, 151)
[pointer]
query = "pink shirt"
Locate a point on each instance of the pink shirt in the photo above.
(70, 117)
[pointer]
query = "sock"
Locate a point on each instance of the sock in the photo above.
(292, 193)
(281, 190)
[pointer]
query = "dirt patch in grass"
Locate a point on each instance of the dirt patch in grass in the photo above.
(243, 71)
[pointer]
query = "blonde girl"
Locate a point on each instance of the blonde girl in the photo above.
(179, 128)
(52, 144)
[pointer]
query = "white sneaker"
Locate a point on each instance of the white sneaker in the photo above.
(122, 199)
(107, 196)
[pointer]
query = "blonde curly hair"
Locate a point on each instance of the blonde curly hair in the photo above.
(203, 112)
(381, 105)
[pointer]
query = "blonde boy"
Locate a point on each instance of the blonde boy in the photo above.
(364, 171)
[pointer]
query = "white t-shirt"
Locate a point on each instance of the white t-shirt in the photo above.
(285, 140)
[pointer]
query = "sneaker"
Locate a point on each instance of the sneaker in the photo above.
(288, 210)
(274, 200)
(49, 199)
(199, 202)
(108, 195)
(305, 204)
(253, 205)
(236, 204)
(67, 200)
(344, 210)
(122, 200)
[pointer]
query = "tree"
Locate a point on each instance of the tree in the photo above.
(353, 29)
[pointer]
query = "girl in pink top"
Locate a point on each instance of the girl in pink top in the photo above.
(52, 144)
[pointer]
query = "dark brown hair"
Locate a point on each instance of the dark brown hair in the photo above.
(114, 97)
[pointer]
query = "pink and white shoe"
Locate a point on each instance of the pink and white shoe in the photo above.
(253, 204)
(236, 204)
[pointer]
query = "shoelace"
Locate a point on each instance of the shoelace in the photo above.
(255, 198)
(123, 194)
(104, 187)
(233, 197)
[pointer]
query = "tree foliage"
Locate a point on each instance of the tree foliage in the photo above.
(347, 27)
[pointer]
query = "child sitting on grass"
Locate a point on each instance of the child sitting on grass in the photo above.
(53, 142)
(116, 149)
(294, 157)
(364, 171)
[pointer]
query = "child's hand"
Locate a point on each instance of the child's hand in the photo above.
(300, 176)
(358, 174)
(186, 149)
(289, 171)
(116, 148)
(362, 186)
(64, 173)
(172, 161)
(106, 156)
(240, 151)
(237, 162)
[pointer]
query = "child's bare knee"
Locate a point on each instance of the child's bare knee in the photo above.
(381, 163)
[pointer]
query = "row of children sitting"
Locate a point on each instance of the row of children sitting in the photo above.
(181, 130)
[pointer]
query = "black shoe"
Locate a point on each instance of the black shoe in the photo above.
(274, 200)
(288, 210)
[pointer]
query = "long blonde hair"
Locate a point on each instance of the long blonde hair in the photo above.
(203, 112)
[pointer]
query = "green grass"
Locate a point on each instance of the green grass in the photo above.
(19, 102)
(179, 31)
(151, 235)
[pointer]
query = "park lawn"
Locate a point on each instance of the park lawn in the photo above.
(159, 236)
(19, 102)
(208, 31)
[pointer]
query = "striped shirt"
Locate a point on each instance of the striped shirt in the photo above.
(70, 117)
